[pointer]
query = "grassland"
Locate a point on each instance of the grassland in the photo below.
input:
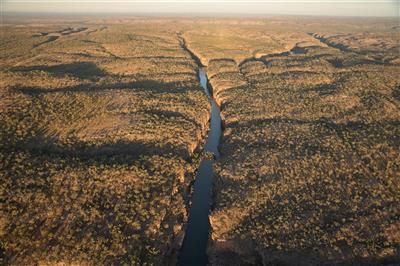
(103, 121)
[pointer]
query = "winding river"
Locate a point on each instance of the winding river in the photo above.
(194, 246)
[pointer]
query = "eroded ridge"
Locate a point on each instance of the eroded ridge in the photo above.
(198, 229)
(102, 134)
(309, 172)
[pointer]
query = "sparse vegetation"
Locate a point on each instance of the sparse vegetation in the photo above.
(102, 125)
(309, 168)
(99, 143)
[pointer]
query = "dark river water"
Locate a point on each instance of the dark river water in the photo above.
(194, 246)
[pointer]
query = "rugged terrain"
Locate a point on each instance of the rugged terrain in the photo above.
(103, 121)
(101, 129)
(310, 162)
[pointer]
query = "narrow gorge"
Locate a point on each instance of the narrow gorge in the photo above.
(194, 246)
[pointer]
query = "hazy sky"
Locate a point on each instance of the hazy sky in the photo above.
(293, 7)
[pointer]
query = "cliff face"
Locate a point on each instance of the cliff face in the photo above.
(102, 124)
(299, 180)
(100, 137)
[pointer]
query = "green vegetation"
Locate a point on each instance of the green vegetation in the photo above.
(102, 125)
(310, 162)
(100, 137)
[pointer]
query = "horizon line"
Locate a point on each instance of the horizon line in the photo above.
(183, 14)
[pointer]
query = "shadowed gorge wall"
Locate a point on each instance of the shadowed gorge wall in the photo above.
(103, 123)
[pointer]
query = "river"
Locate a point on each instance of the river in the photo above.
(194, 246)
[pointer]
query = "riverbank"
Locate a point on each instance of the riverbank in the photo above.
(194, 248)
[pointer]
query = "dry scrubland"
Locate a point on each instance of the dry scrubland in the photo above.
(310, 163)
(103, 120)
(101, 130)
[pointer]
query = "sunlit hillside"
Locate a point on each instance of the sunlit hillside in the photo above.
(103, 123)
